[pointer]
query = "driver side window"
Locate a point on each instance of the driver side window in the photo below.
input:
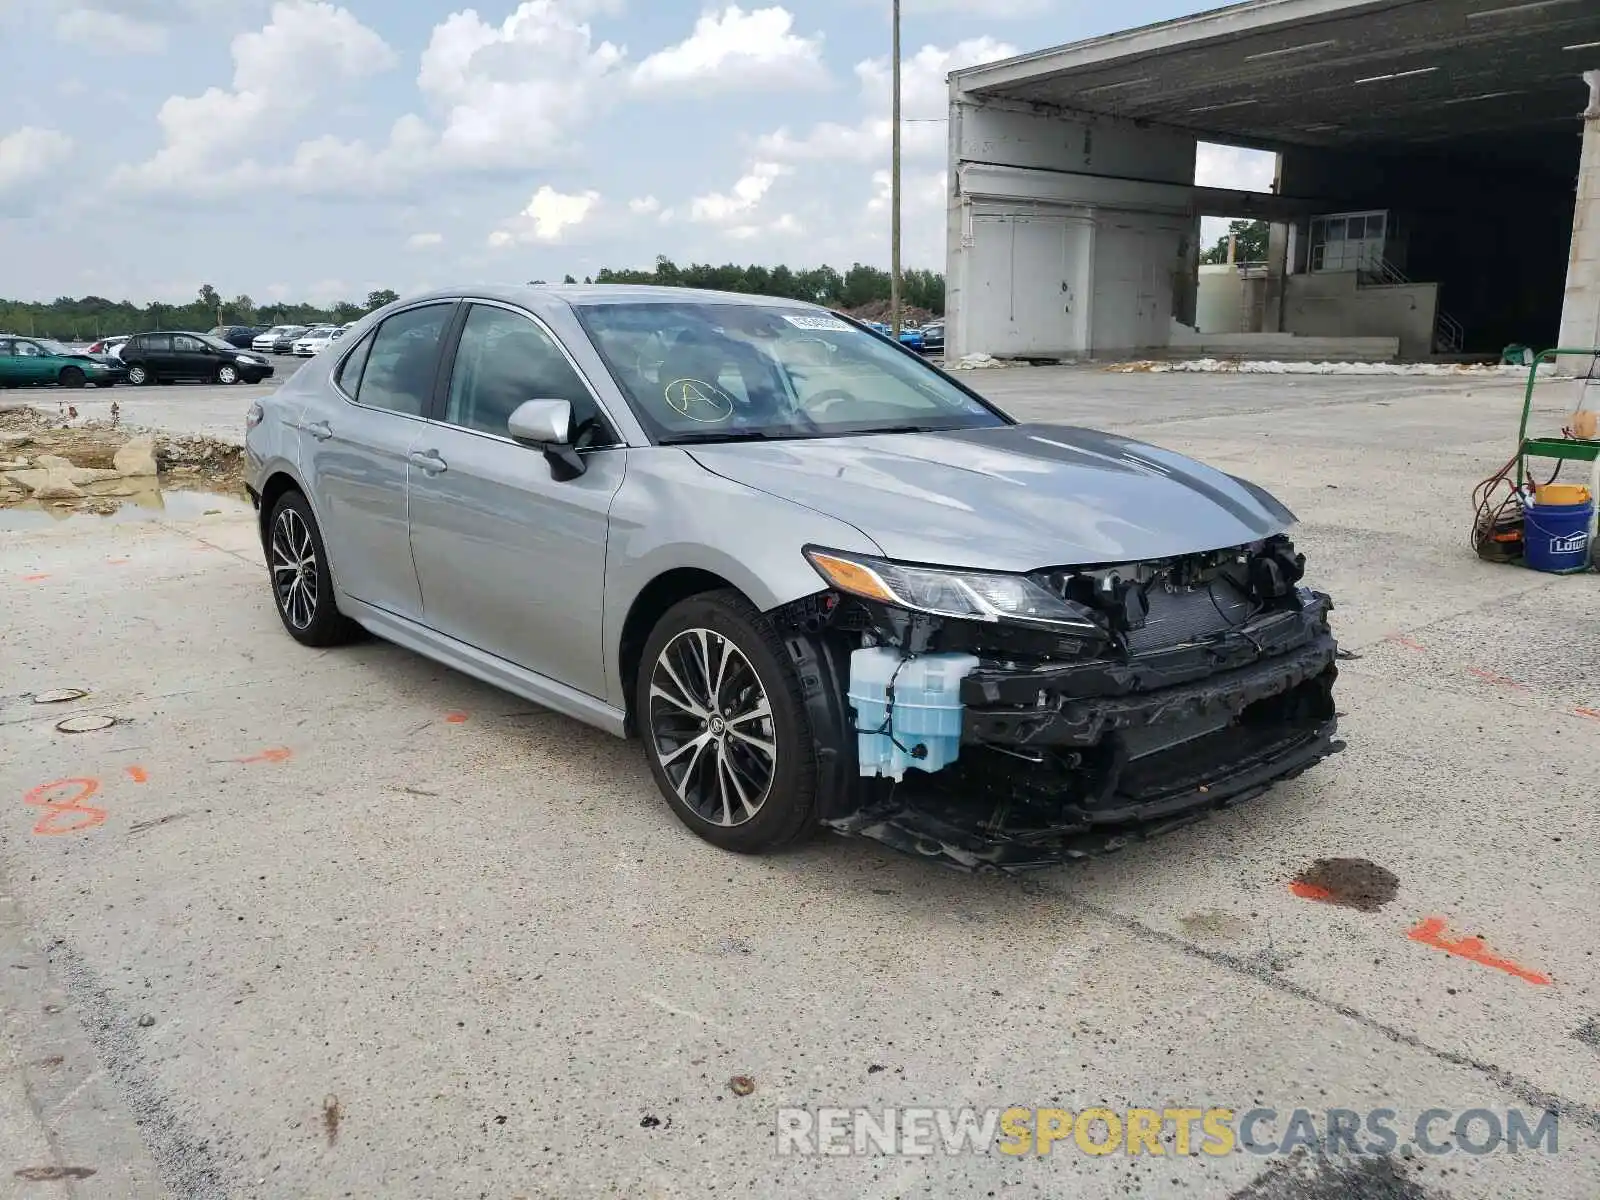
(503, 360)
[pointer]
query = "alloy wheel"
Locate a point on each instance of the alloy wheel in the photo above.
(294, 569)
(137, 375)
(711, 726)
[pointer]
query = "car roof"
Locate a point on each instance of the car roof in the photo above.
(544, 298)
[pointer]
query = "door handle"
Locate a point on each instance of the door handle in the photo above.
(320, 430)
(428, 460)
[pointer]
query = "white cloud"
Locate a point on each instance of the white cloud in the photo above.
(1234, 167)
(424, 241)
(644, 206)
(29, 154)
(280, 71)
(513, 94)
(547, 217)
(93, 28)
(735, 49)
(925, 98)
(129, 26)
(720, 207)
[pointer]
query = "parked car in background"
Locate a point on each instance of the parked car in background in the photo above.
(315, 340)
(265, 340)
(241, 336)
(109, 346)
(31, 362)
(344, 329)
(911, 339)
(823, 583)
(933, 338)
(287, 337)
(163, 357)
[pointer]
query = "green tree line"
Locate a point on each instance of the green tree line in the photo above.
(84, 319)
(859, 287)
(92, 317)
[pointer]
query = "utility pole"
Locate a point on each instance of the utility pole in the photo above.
(894, 190)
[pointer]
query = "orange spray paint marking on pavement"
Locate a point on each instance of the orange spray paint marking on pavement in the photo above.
(276, 754)
(1405, 641)
(117, 562)
(34, 578)
(1310, 891)
(1473, 949)
(1491, 677)
(455, 718)
(138, 774)
(1592, 713)
(58, 812)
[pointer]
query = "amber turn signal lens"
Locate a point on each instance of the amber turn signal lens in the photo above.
(851, 577)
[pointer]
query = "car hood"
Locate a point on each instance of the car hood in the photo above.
(1011, 498)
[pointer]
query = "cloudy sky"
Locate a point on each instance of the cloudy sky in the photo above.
(308, 149)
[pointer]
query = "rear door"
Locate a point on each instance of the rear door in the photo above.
(155, 352)
(354, 440)
(510, 559)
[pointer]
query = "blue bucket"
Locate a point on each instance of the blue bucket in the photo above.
(1555, 537)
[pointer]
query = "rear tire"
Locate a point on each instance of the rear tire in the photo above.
(302, 585)
(71, 377)
(139, 375)
(725, 728)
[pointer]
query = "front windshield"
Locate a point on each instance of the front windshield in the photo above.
(718, 372)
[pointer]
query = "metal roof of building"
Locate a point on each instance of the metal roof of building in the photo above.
(1480, 77)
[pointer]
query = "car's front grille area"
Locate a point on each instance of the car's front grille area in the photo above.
(1185, 614)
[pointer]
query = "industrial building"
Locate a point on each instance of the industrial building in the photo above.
(1437, 189)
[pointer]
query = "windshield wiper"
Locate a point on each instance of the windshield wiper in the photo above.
(741, 435)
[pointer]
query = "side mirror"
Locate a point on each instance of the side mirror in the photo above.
(548, 425)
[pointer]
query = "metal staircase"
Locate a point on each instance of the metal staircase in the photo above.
(1449, 336)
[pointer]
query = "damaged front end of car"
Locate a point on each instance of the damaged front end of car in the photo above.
(1002, 722)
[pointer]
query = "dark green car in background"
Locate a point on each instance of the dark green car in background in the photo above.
(31, 362)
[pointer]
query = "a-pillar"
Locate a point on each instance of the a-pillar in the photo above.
(1580, 310)
(1277, 269)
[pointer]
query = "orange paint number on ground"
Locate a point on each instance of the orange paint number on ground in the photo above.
(34, 578)
(66, 815)
(1592, 713)
(1491, 677)
(1429, 932)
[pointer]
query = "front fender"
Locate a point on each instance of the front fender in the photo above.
(671, 514)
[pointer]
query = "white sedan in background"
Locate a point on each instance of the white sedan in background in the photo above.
(316, 340)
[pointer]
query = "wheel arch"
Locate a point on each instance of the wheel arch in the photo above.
(649, 606)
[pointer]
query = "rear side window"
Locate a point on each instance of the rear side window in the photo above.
(404, 359)
(349, 376)
(157, 342)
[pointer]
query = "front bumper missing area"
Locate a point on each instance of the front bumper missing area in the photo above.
(1063, 761)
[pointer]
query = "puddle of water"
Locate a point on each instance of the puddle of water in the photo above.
(134, 503)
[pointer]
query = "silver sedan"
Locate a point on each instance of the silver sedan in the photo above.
(825, 584)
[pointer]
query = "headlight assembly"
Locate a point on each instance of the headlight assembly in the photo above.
(949, 592)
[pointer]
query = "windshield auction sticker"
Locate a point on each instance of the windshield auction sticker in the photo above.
(806, 321)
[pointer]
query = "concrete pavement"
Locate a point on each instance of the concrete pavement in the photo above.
(347, 923)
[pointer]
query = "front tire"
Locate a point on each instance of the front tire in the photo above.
(228, 373)
(71, 377)
(725, 727)
(302, 585)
